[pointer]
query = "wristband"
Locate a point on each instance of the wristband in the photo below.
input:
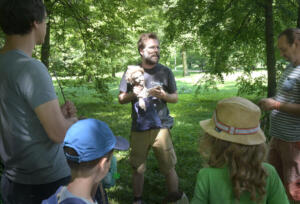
(277, 105)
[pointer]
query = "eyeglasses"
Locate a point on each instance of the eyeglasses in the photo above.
(152, 48)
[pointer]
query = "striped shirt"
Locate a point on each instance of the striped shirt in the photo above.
(285, 126)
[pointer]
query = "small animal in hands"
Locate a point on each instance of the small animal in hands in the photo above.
(135, 77)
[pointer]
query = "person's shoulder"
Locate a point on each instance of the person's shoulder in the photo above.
(210, 170)
(204, 171)
(16, 58)
(211, 174)
(269, 168)
(22, 65)
(34, 63)
(33, 67)
(24, 59)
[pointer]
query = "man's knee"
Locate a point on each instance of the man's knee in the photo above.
(167, 160)
(140, 169)
(168, 172)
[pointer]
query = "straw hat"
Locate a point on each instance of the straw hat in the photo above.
(235, 120)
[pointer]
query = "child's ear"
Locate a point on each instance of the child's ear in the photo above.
(102, 162)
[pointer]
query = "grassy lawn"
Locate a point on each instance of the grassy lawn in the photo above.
(187, 113)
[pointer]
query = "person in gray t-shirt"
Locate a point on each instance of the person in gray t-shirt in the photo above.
(144, 135)
(32, 124)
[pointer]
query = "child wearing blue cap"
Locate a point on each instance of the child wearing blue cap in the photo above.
(88, 147)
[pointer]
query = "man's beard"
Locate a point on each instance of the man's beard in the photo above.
(150, 61)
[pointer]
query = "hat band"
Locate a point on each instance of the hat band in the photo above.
(233, 130)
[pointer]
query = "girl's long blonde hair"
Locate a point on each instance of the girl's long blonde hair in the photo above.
(247, 173)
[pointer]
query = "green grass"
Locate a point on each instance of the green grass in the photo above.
(187, 113)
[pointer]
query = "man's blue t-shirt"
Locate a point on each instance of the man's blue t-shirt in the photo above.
(157, 76)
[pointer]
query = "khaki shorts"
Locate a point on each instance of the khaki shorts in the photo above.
(161, 143)
(285, 157)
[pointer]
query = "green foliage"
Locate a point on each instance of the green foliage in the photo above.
(97, 88)
(217, 25)
(94, 39)
(229, 33)
(102, 89)
(208, 81)
(87, 36)
(196, 61)
(280, 65)
(252, 85)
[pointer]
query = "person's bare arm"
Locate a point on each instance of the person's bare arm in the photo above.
(268, 104)
(126, 97)
(160, 93)
(171, 98)
(53, 121)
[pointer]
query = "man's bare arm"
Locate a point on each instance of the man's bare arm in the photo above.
(126, 97)
(171, 98)
(53, 121)
(271, 104)
(160, 93)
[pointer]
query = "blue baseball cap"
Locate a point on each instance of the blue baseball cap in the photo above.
(92, 139)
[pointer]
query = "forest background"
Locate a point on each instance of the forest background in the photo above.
(89, 44)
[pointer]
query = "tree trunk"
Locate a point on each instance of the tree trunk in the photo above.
(45, 52)
(270, 48)
(184, 63)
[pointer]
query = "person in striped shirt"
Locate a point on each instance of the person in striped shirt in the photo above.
(284, 151)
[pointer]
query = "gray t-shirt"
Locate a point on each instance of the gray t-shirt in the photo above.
(158, 75)
(29, 156)
(283, 125)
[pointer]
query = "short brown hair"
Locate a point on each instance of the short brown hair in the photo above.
(291, 35)
(17, 17)
(144, 37)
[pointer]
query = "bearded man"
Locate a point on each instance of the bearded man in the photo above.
(161, 83)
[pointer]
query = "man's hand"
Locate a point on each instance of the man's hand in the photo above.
(68, 109)
(137, 90)
(53, 120)
(158, 92)
(268, 104)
